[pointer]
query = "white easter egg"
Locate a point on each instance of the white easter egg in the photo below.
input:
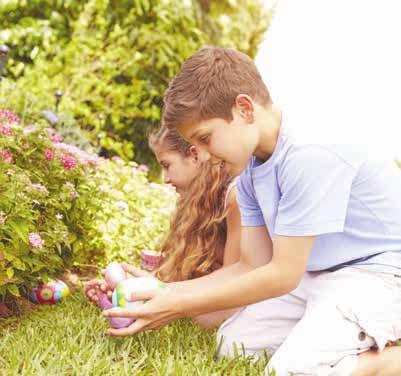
(124, 290)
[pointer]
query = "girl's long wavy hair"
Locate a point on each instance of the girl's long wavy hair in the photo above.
(198, 227)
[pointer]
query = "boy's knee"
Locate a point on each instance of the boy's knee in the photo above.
(226, 342)
(286, 364)
(233, 341)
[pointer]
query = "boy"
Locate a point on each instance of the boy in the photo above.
(326, 219)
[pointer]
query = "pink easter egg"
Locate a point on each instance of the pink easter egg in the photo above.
(114, 274)
(115, 322)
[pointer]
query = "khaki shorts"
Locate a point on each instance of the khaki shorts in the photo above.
(321, 326)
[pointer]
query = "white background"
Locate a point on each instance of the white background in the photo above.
(334, 66)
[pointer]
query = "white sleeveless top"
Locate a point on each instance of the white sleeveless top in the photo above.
(230, 186)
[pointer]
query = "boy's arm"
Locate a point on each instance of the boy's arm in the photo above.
(280, 276)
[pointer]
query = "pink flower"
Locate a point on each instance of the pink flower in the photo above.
(49, 154)
(143, 167)
(35, 240)
(80, 156)
(68, 162)
(6, 156)
(29, 129)
(74, 194)
(69, 185)
(95, 160)
(87, 159)
(57, 137)
(6, 130)
(37, 187)
(9, 116)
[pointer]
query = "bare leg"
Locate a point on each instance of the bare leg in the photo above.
(213, 319)
(386, 363)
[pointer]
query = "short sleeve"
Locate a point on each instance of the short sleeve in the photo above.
(251, 214)
(315, 186)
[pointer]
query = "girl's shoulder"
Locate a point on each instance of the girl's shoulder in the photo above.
(229, 188)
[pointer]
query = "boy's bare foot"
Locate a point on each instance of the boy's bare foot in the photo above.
(385, 363)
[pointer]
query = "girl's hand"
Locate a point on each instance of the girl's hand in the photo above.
(160, 309)
(135, 271)
(99, 285)
(94, 286)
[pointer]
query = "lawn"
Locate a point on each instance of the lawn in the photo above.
(69, 339)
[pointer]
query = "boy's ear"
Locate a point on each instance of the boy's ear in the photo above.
(244, 106)
(193, 152)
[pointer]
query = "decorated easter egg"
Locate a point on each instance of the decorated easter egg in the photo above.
(115, 322)
(52, 292)
(114, 273)
(124, 290)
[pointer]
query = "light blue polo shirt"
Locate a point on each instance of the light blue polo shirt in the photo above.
(350, 201)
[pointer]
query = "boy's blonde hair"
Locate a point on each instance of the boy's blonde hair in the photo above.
(208, 84)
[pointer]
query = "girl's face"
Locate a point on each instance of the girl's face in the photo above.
(178, 170)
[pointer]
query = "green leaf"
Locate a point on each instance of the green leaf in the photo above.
(10, 272)
(21, 229)
(13, 289)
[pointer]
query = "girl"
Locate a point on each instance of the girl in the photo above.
(205, 231)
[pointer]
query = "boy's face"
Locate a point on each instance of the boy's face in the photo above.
(218, 140)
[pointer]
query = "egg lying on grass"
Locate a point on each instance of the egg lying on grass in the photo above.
(51, 292)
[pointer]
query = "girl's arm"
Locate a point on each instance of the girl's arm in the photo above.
(232, 248)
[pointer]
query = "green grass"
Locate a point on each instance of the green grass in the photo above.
(69, 339)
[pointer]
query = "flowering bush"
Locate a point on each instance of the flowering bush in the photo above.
(35, 195)
(130, 214)
(61, 206)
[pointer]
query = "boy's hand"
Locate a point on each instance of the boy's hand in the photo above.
(94, 286)
(160, 309)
